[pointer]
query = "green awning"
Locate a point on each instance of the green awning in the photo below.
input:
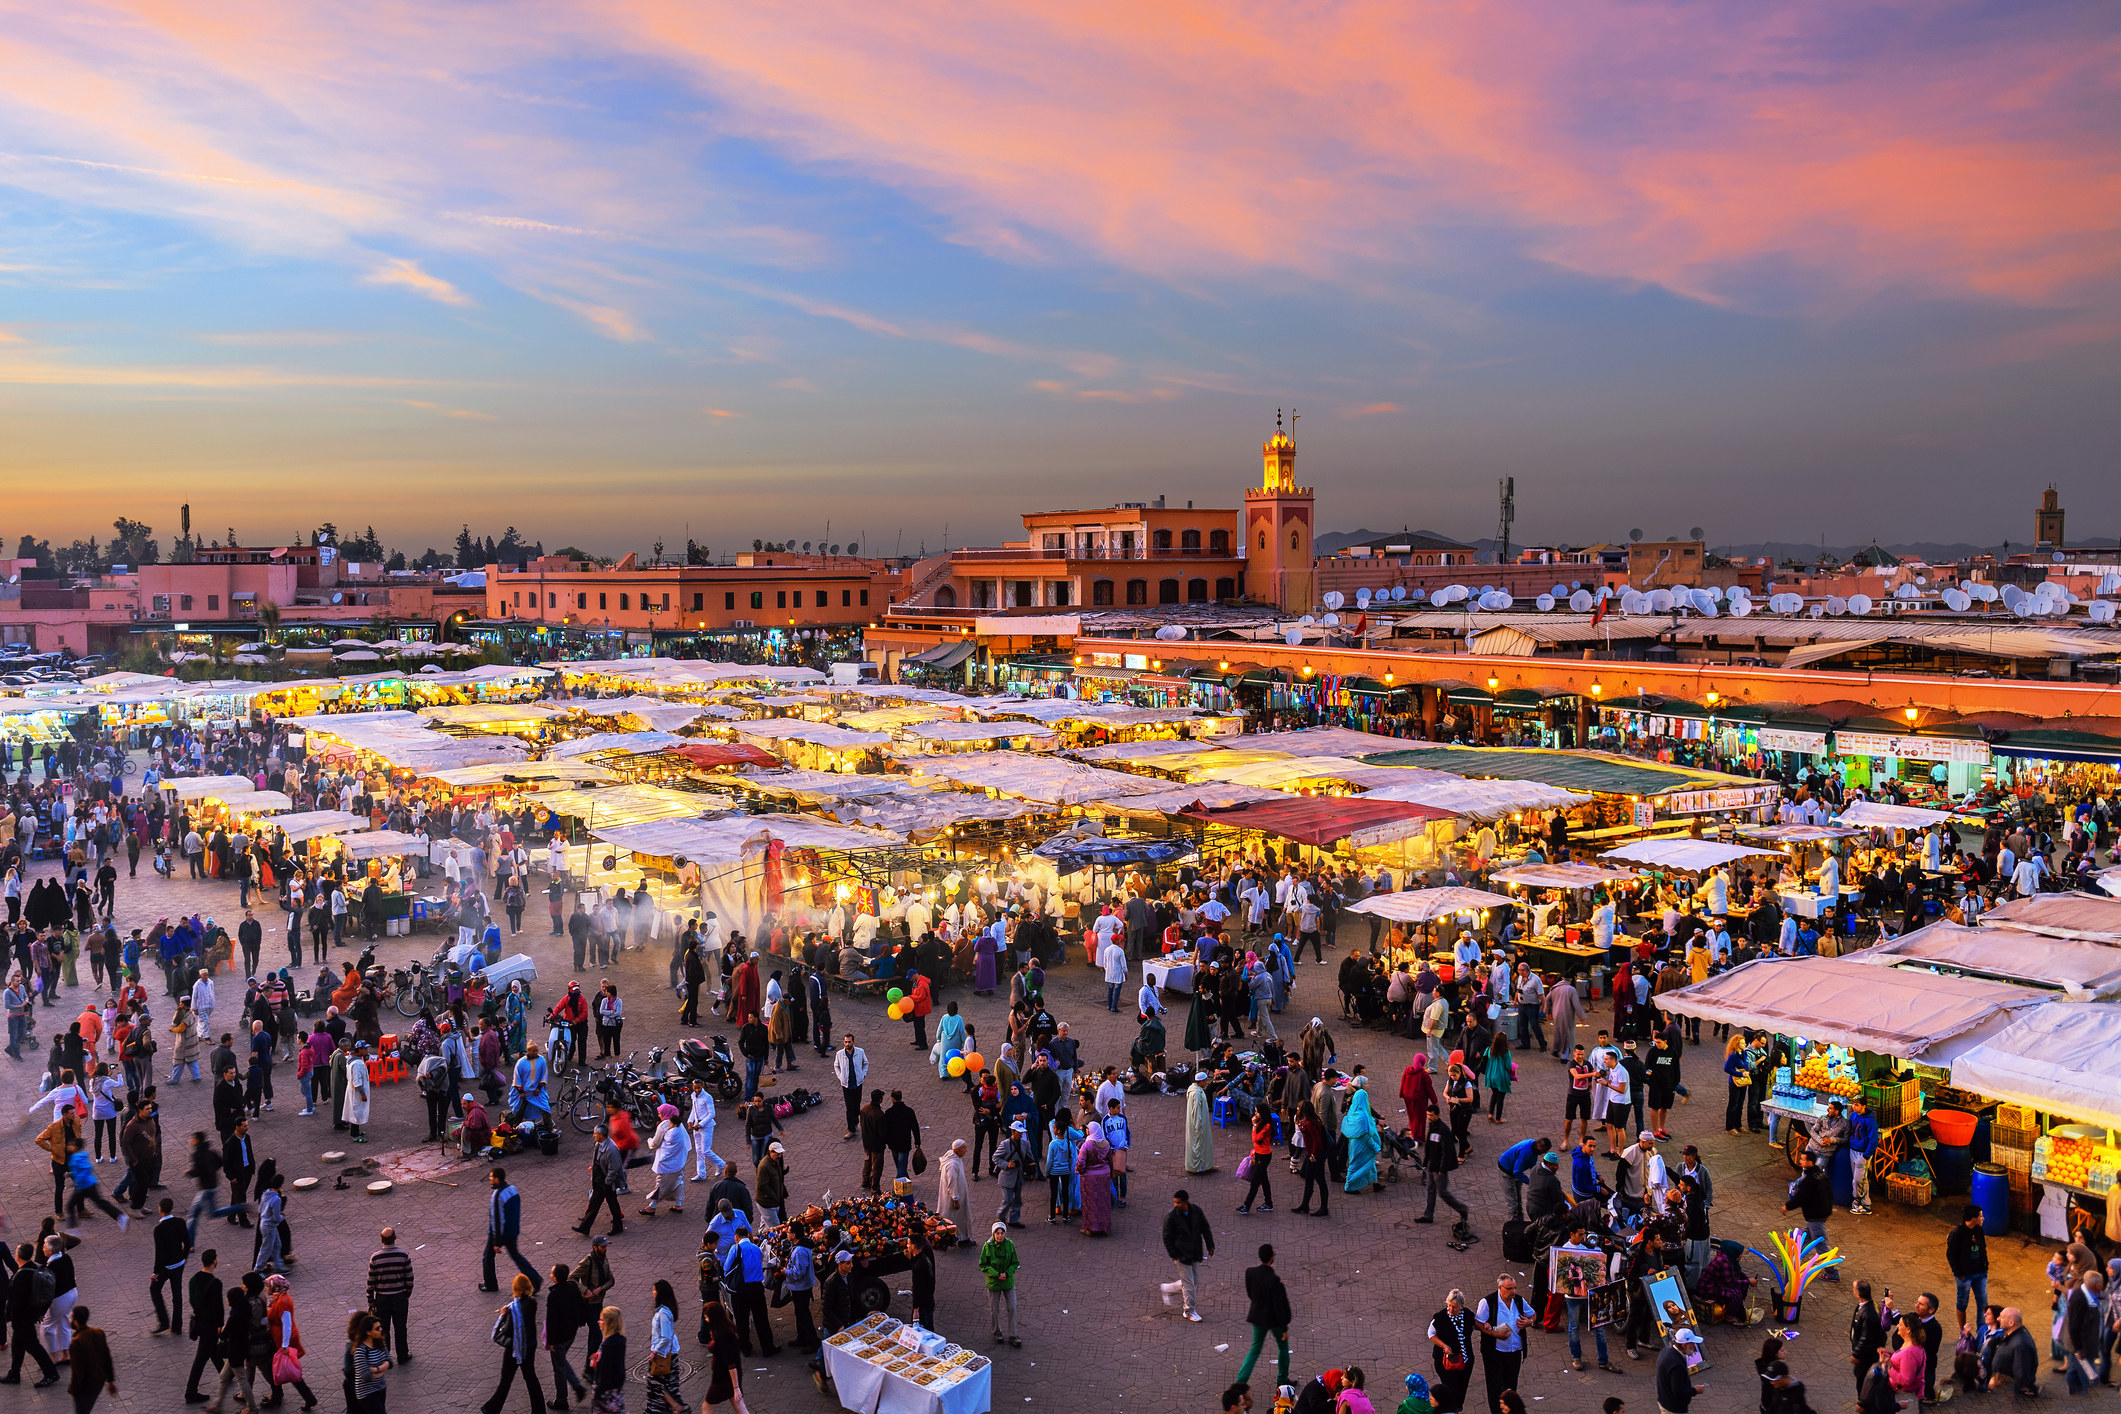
(1571, 770)
(2059, 746)
(1519, 697)
(1469, 695)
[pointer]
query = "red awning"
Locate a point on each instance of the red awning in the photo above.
(1317, 821)
(707, 755)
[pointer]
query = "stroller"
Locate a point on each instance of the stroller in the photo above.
(1399, 1145)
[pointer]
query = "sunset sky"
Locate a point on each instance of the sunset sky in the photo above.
(617, 271)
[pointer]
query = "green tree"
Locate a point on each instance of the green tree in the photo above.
(467, 550)
(134, 539)
(269, 619)
(31, 548)
(655, 552)
(397, 561)
(697, 554)
(758, 544)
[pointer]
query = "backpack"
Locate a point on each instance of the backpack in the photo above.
(43, 1287)
(434, 1079)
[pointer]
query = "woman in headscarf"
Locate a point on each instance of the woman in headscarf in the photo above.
(1093, 1171)
(949, 1036)
(1417, 1094)
(1200, 1017)
(1359, 1127)
(1019, 1105)
(984, 950)
(518, 1013)
(1200, 1133)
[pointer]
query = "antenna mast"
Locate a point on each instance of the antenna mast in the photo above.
(1508, 488)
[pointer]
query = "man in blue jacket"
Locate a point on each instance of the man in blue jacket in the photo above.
(504, 1225)
(1516, 1164)
(1863, 1142)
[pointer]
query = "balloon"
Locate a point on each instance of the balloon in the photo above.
(894, 995)
(892, 1011)
(1458, 1058)
(956, 1066)
(975, 1062)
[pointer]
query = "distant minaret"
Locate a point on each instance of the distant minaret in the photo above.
(1278, 529)
(2047, 522)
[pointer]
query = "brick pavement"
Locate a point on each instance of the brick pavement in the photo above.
(1362, 1283)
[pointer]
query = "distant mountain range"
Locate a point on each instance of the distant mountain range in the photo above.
(1779, 550)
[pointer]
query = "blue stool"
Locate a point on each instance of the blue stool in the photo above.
(1222, 1109)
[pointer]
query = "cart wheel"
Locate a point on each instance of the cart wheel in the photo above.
(1794, 1135)
(408, 1002)
(585, 1112)
(872, 1295)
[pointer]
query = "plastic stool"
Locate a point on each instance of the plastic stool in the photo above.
(1222, 1110)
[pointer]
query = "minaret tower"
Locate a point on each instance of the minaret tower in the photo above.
(1278, 529)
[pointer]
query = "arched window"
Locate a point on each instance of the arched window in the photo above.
(1167, 591)
(1292, 540)
(1218, 542)
(1100, 591)
(1137, 591)
(1225, 589)
(1189, 540)
(946, 597)
(1196, 591)
(1263, 540)
(1161, 539)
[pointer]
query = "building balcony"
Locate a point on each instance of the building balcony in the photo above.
(1089, 553)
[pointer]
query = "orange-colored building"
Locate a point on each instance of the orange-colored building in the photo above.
(629, 595)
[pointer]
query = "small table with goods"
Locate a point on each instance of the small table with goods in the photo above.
(1171, 973)
(881, 1366)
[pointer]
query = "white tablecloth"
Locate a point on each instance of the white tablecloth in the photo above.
(1170, 976)
(871, 1389)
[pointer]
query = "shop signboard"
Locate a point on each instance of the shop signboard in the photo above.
(1964, 750)
(1786, 739)
(1703, 802)
(1645, 815)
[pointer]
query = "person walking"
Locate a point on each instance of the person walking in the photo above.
(664, 1374)
(850, 1066)
(172, 1252)
(1439, 1157)
(245, 1341)
(607, 1362)
(1188, 1242)
(93, 1374)
(390, 1282)
(1503, 1319)
(30, 1292)
(1966, 1253)
(1259, 1174)
(1013, 1163)
(504, 1226)
(726, 1372)
(998, 1263)
(1675, 1382)
(1311, 1140)
(607, 1169)
(287, 1347)
(566, 1312)
(874, 1142)
(515, 1330)
(745, 1272)
(1267, 1312)
(367, 1363)
(209, 1311)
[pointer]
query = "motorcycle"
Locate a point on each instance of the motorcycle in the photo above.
(711, 1067)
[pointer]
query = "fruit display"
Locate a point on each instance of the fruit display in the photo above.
(1834, 1081)
(872, 1228)
(2075, 1160)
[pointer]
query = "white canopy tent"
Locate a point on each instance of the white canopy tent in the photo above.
(1051, 779)
(651, 712)
(766, 733)
(311, 824)
(1685, 853)
(1145, 751)
(202, 787)
(979, 731)
(378, 844)
(492, 714)
(1166, 799)
(255, 802)
(627, 805)
(2083, 969)
(613, 744)
(505, 772)
(1911, 1015)
(2061, 916)
(1559, 876)
(1423, 905)
(1876, 814)
(2063, 1058)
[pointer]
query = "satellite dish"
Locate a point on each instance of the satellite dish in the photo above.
(2058, 557)
(1558, 592)
(1580, 601)
(1817, 611)
(1362, 598)
(1545, 602)
(2101, 611)
(1333, 599)
(1860, 604)
(1575, 584)
(1306, 619)
(1694, 534)
(338, 598)
(1741, 607)
(1399, 591)
(1331, 619)
(1661, 601)
(2110, 584)
(1170, 633)
(1836, 605)
(1439, 597)
(1504, 599)
(1635, 535)
(1293, 637)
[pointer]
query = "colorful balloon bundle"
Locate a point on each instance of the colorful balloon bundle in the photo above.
(1794, 1261)
(894, 1010)
(958, 1062)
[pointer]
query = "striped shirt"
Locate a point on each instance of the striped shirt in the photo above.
(389, 1273)
(368, 1378)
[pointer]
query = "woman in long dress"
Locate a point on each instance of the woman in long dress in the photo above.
(1093, 1170)
(1359, 1127)
(1200, 1132)
(949, 1036)
(983, 954)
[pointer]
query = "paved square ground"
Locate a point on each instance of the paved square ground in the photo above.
(1096, 1334)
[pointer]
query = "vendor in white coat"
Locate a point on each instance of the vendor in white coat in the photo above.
(202, 1002)
(1830, 879)
(918, 915)
(355, 1111)
(1602, 923)
(1720, 892)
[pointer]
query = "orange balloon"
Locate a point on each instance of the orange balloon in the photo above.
(975, 1061)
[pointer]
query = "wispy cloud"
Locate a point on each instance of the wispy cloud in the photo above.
(722, 412)
(1371, 410)
(612, 323)
(409, 274)
(468, 414)
(525, 223)
(278, 338)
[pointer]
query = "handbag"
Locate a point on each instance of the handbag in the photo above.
(286, 1367)
(659, 1366)
(1244, 1167)
(920, 1160)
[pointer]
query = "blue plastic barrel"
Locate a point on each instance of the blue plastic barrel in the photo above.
(1992, 1195)
(1951, 1165)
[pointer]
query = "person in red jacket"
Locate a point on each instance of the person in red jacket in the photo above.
(920, 1001)
(571, 1011)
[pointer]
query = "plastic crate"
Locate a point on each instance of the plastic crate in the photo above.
(2026, 1199)
(1907, 1188)
(1892, 1093)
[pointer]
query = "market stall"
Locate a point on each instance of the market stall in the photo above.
(1424, 908)
(1554, 943)
(2058, 1070)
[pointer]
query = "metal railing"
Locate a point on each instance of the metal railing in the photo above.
(1095, 552)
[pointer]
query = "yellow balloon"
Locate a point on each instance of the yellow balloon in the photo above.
(892, 1011)
(957, 1066)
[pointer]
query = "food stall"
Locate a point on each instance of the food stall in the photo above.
(2057, 1069)
(380, 856)
(1427, 906)
(1553, 943)
(1684, 855)
(882, 1366)
(1855, 1026)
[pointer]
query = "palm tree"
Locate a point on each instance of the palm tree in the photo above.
(269, 618)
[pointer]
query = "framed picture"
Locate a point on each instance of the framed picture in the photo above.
(1609, 1304)
(1568, 1265)
(1670, 1307)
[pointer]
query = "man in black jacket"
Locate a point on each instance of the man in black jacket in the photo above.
(1439, 1156)
(565, 1315)
(1188, 1243)
(1675, 1383)
(1966, 1250)
(26, 1303)
(1866, 1334)
(239, 1160)
(208, 1312)
(902, 1130)
(172, 1251)
(1267, 1311)
(1813, 1196)
(250, 936)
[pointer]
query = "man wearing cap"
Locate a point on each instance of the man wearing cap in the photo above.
(1784, 1393)
(771, 1183)
(1011, 1163)
(998, 1263)
(1675, 1382)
